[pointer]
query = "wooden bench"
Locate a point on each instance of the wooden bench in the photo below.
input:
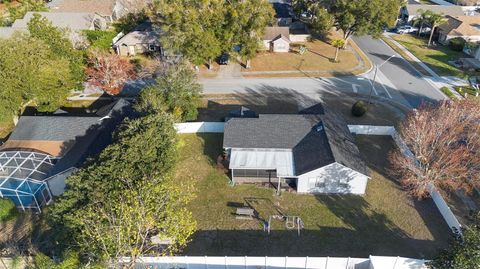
(245, 213)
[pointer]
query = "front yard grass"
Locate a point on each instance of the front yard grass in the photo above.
(436, 57)
(318, 57)
(385, 221)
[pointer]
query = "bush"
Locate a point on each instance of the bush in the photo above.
(457, 44)
(359, 109)
(100, 39)
(8, 210)
(448, 92)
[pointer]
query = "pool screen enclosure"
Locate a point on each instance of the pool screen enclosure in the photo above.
(23, 177)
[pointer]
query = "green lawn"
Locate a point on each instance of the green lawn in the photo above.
(385, 221)
(435, 57)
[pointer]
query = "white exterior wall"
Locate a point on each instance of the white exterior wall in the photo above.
(280, 45)
(299, 38)
(333, 178)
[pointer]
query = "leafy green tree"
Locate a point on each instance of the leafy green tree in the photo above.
(201, 30)
(322, 22)
(18, 10)
(177, 91)
(31, 73)
(114, 205)
(353, 17)
(41, 28)
(464, 249)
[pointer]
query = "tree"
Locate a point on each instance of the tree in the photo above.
(446, 148)
(422, 19)
(115, 204)
(435, 19)
(177, 92)
(202, 30)
(19, 9)
(31, 73)
(109, 71)
(41, 28)
(337, 43)
(464, 249)
(322, 21)
(353, 17)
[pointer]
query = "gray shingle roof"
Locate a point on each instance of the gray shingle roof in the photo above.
(413, 9)
(142, 34)
(275, 32)
(71, 20)
(315, 140)
(52, 128)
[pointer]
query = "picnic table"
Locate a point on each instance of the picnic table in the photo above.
(245, 213)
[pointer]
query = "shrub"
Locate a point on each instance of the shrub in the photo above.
(457, 44)
(359, 109)
(448, 92)
(7, 209)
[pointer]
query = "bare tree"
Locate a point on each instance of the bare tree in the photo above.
(109, 71)
(445, 141)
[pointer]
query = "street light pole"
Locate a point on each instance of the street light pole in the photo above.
(375, 77)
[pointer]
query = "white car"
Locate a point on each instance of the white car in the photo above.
(406, 29)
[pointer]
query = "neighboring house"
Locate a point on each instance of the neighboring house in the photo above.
(43, 150)
(277, 39)
(73, 23)
(412, 11)
(66, 20)
(283, 12)
(313, 153)
(110, 10)
(142, 39)
(466, 27)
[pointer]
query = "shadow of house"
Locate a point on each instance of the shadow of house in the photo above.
(43, 150)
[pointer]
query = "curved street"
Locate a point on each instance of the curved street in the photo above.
(396, 80)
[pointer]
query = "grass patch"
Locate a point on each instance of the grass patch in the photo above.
(400, 52)
(318, 57)
(100, 39)
(385, 221)
(448, 92)
(436, 57)
(466, 91)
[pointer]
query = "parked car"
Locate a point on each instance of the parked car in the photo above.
(224, 59)
(406, 29)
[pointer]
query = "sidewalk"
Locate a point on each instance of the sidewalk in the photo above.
(434, 79)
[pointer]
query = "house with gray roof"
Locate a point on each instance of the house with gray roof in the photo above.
(412, 11)
(312, 153)
(143, 39)
(277, 39)
(45, 149)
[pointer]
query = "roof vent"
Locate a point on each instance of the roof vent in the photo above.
(319, 128)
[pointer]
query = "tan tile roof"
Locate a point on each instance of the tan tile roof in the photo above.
(461, 26)
(102, 7)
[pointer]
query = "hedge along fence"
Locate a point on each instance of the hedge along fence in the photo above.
(448, 216)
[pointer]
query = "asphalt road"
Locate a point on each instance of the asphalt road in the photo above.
(396, 80)
(405, 79)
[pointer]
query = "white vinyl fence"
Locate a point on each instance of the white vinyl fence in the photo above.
(199, 127)
(244, 262)
(218, 127)
(437, 198)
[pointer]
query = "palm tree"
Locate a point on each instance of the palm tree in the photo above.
(435, 20)
(423, 19)
(338, 43)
